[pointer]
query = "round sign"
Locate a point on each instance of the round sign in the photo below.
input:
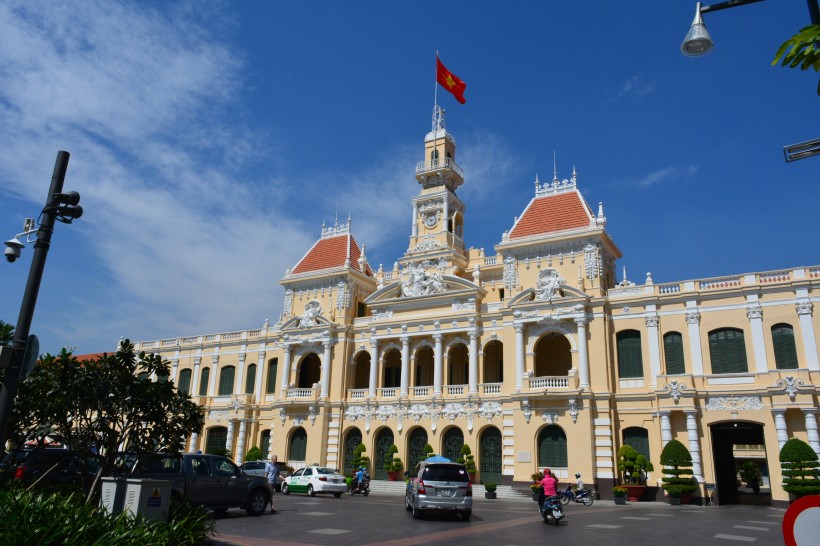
(30, 357)
(802, 521)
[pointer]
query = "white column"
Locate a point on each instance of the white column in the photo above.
(405, 364)
(195, 376)
(258, 388)
(437, 363)
(229, 440)
(804, 313)
(326, 368)
(174, 368)
(374, 366)
(214, 374)
(693, 320)
(240, 375)
(780, 427)
(694, 443)
(283, 384)
(810, 414)
(446, 214)
(240, 442)
(192, 444)
(755, 314)
(653, 339)
(583, 352)
(473, 371)
(414, 228)
(519, 356)
(666, 428)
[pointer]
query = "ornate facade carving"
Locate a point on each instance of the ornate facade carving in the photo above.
(313, 309)
(754, 312)
(573, 409)
(675, 388)
(692, 317)
(734, 404)
(549, 285)
(592, 265)
(510, 273)
(464, 305)
(652, 320)
(342, 295)
(488, 410)
(804, 307)
(790, 385)
(416, 282)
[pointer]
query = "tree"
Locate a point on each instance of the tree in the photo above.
(798, 462)
(105, 403)
(677, 462)
(6, 333)
(802, 49)
(253, 454)
(633, 466)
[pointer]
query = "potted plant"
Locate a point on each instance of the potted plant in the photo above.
(678, 481)
(489, 492)
(468, 461)
(619, 494)
(799, 466)
(359, 459)
(392, 474)
(397, 468)
(633, 467)
(428, 451)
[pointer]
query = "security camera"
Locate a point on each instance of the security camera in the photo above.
(13, 247)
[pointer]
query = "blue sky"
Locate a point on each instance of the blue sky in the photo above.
(210, 141)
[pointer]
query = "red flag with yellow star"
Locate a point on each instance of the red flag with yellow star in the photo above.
(450, 81)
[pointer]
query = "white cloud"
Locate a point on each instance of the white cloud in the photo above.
(661, 176)
(634, 87)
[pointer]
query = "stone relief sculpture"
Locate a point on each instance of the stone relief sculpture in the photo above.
(312, 310)
(549, 285)
(419, 283)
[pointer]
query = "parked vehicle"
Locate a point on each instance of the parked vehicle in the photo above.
(59, 468)
(439, 487)
(212, 481)
(583, 496)
(315, 480)
(551, 510)
(257, 468)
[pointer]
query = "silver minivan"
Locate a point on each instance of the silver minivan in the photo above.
(439, 487)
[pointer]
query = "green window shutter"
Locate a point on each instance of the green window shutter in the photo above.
(184, 384)
(785, 351)
(250, 379)
(217, 438)
(204, 378)
(630, 361)
(226, 379)
(727, 350)
(271, 380)
(298, 445)
(552, 447)
(673, 349)
(638, 438)
(265, 447)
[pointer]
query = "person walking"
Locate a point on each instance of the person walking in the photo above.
(272, 470)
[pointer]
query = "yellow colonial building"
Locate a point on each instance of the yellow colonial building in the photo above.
(533, 356)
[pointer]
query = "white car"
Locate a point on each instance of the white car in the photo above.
(315, 479)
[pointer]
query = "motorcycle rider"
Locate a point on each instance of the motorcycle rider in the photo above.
(579, 484)
(358, 478)
(549, 486)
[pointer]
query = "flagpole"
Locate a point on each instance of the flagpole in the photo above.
(435, 85)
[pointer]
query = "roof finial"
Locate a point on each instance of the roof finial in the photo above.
(554, 168)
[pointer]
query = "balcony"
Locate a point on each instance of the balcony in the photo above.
(438, 166)
(549, 382)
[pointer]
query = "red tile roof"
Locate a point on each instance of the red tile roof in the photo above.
(329, 253)
(553, 213)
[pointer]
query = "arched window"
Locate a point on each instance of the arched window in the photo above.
(361, 371)
(298, 445)
(552, 356)
(352, 440)
(457, 364)
(452, 443)
(673, 350)
(226, 379)
(309, 371)
(184, 384)
(727, 350)
(434, 158)
(270, 386)
(217, 438)
(424, 367)
(391, 371)
(785, 352)
(204, 378)
(638, 438)
(494, 362)
(250, 379)
(552, 447)
(630, 360)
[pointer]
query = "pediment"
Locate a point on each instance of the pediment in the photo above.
(398, 291)
(296, 323)
(563, 293)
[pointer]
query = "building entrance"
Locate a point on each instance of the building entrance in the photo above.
(739, 453)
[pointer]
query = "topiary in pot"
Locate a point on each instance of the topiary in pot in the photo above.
(388, 457)
(428, 451)
(677, 461)
(799, 465)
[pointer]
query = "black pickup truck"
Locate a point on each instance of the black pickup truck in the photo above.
(212, 481)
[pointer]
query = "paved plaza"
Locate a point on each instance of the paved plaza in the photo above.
(382, 520)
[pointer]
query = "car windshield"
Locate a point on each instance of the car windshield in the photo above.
(326, 471)
(443, 473)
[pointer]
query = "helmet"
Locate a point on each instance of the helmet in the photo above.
(361, 468)
(577, 475)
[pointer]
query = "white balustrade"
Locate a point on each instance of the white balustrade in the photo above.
(549, 382)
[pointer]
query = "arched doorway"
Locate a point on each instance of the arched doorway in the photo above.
(361, 373)
(415, 447)
(309, 371)
(732, 444)
(424, 367)
(452, 443)
(552, 447)
(552, 356)
(384, 439)
(298, 445)
(352, 440)
(489, 456)
(458, 365)
(392, 369)
(493, 362)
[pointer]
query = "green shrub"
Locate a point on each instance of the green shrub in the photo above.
(254, 454)
(428, 450)
(677, 461)
(799, 463)
(633, 466)
(490, 487)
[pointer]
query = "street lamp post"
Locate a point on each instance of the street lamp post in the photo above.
(62, 207)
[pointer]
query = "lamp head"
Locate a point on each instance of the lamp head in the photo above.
(697, 41)
(13, 248)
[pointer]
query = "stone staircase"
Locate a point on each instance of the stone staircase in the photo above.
(388, 488)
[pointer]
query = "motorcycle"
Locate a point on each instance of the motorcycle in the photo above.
(583, 496)
(362, 487)
(551, 510)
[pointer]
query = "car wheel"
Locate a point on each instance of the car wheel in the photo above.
(337, 495)
(466, 515)
(407, 506)
(311, 492)
(416, 511)
(257, 502)
(366, 493)
(588, 501)
(285, 490)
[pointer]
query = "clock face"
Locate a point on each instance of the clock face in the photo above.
(430, 220)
